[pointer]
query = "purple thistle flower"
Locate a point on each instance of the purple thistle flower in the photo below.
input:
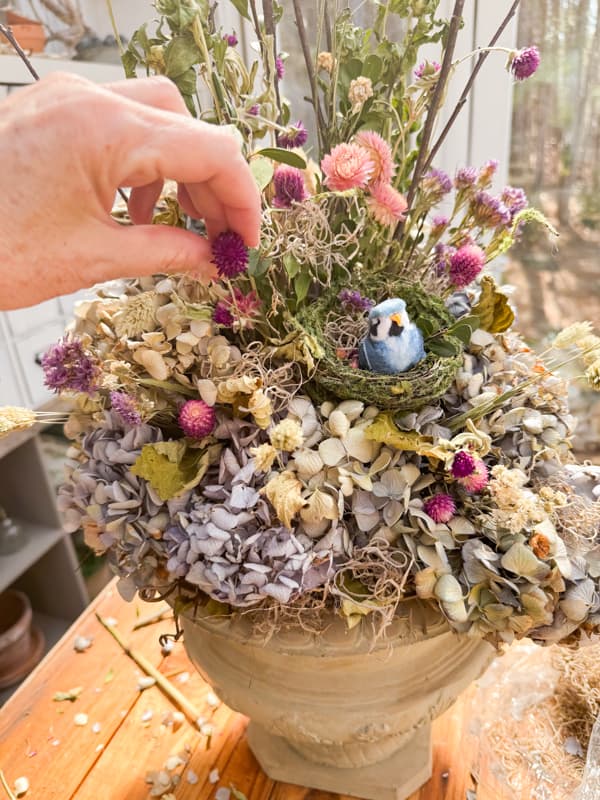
(427, 68)
(230, 254)
(222, 315)
(514, 199)
(68, 367)
(440, 507)
(525, 62)
(231, 39)
(465, 177)
(295, 136)
(466, 264)
(463, 464)
(254, 110)
(436, 184)
(443, 253)
(354, 301)
(197, 419)
(125, 406)
(486, 173)
(279, 68)
(489, 211)
(438, 223)
(289, 187)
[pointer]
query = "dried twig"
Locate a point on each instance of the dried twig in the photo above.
(166, 686)
(6, 786)
(156, 617)
(469, 84)
(309, 66)
(270, 30)
(8, 34)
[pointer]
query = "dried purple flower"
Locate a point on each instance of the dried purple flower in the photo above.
(440, 507)
(289, 186)
(514, 199)
(478, 479)
(427, 68)
(354, 301)
(463, 464)
(438, 224)
(443, 253)
(465, 177)
(279, 68)
(230, 254)
(254, 110)
(436, 184)
(524, 63)
(68, 367)
(125, 406)
(295, 136)
(466, 264)
(489, 211)
(197, 419)
(486, 173)
(231, 39)
(222, 315)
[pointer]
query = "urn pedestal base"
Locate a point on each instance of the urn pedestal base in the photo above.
(396, 778)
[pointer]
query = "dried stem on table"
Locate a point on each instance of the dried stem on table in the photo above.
(8, 34)
(469, 84)
(6, 787)
(156, 617)
(166, 686)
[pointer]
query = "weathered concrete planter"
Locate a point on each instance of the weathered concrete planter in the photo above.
(339, 712)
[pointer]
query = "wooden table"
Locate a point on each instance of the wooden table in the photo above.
(125, 737)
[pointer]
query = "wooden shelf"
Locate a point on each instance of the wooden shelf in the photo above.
(40, 539)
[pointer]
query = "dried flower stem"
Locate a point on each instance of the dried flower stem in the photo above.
(271, 30)
(156, 617)
(144, 664)
(436, 101)
(8, 34)
(310, 69)
(4, 783)
(469, 84)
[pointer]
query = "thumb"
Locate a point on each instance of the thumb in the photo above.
(150, 249)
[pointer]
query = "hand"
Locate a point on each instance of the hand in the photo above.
(67, 145)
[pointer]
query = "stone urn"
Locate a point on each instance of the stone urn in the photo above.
(342, 711)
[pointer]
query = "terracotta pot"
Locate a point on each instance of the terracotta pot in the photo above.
(29, 33)
(340, 712)
(21, 645)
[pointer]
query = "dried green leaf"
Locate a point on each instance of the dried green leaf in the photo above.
(171, 468)
(110, 675)
(71, 695)
(283, 156)
(495, 314)
(237, 794)
(383, 429)
(262, 170)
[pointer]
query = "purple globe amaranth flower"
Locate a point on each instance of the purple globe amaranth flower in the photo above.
(197, 419)
(69, 368)
(231, 39)
(125, 406)
(524, 63)
(466, 264)
(279, 68)
(465, 177)
(222, 315)
(289, 186)
(230, 254)
(463, 464)
(295, 136)
(354, 301)
(514, 199)
(489, 211)
(436, 184)
(441, 508)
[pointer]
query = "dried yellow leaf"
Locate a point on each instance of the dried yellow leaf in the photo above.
(284, 492)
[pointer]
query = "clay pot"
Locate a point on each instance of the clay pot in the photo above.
(21, 644)
(340, 711)
(29, 33)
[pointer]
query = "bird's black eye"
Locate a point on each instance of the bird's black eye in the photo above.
(373, 326)
(396, 329)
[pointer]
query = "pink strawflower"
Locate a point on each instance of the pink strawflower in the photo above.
(289, 186)
(478, 479)
(525, 63)
(466, 264)
(230, 254)
(380, 153)
(463, 464)
(348, 166)
(197, 419)
(386, 204)
(440, 507)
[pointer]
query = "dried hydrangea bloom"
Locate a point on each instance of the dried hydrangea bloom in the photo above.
(361, 89)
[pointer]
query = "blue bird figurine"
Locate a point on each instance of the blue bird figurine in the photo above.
(393, 344)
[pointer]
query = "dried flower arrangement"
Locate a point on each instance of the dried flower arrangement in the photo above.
(271, 443)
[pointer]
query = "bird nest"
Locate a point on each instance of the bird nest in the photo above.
(337, 376)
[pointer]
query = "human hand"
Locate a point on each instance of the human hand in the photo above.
(67, 145)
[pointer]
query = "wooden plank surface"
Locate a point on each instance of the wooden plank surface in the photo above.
(39, 738)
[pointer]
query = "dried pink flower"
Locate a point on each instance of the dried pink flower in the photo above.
(525, 62)
(197, 419)
(466, 264)
(386, 204)
(478, 479)
(380, 153)
(348, 166)
(441, 507)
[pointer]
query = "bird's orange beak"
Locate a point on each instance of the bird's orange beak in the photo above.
(397, 318)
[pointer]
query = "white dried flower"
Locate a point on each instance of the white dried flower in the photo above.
(264, 455)
(592, 374)
(287, 436)
(80, 720)
(325, 61)
(261, 408)
(21, 786)
(572, 335)
(361, 89)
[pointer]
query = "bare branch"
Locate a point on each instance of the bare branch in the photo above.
(8, 34)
